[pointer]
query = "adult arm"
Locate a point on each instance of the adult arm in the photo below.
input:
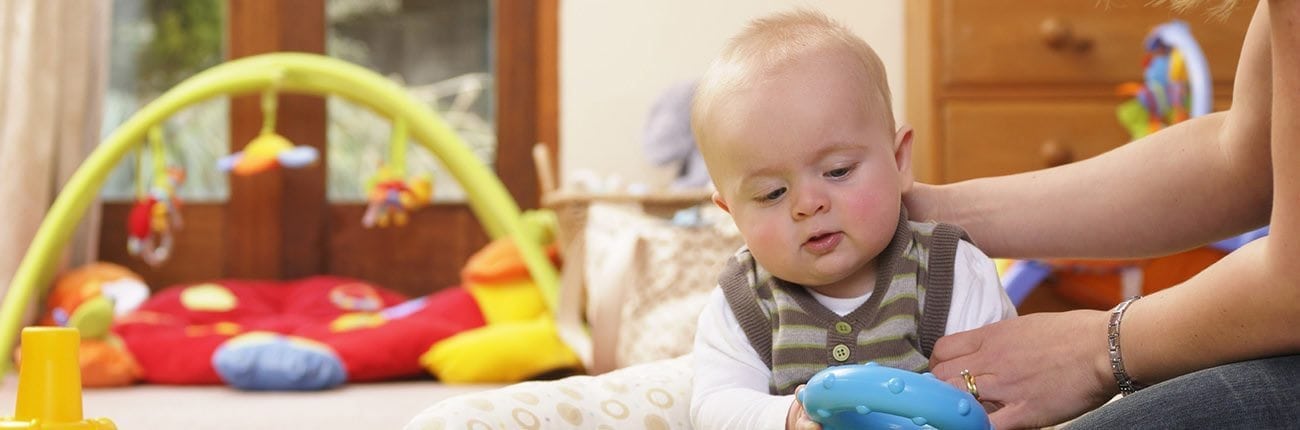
(1246, 305)
(1200, 180)
(1043, 368)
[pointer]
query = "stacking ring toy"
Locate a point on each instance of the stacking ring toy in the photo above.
(874, 396)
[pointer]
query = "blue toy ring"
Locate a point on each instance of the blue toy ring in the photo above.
(874, 396)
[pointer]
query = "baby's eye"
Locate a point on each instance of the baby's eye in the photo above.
(839, 173)
(775, 194)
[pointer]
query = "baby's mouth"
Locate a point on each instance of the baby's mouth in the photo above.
(823, 243)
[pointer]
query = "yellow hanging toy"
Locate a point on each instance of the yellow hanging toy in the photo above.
(390, 196)
(269, 149)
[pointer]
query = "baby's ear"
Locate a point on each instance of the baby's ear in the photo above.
(903, 156)
(717, 200)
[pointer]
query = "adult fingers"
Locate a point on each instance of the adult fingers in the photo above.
(957, 345)
(986, 385)
(975, 362)
(1009, 417)
(948, 370)
(987, 389)
(991, 407)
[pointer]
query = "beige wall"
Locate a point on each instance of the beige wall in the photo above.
(616, 56)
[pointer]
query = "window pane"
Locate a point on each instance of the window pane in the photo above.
(154, 45)
(440, 50)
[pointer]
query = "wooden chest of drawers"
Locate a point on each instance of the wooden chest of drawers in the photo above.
(1004, 86)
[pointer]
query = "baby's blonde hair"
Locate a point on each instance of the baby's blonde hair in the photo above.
(772, 42)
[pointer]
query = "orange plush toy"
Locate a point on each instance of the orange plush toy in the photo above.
(89, 298)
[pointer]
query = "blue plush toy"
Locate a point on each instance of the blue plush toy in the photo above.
(871, 396)
(668, 140)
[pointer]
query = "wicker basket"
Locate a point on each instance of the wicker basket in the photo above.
(571, 207)
(637, 277)
(645, 300)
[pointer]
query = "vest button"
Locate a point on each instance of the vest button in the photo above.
(840, 352)
(843, 327)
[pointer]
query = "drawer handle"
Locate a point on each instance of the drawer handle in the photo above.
(1059, 36)
(1055, 154)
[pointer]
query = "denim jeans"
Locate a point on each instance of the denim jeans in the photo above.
(1256, 394)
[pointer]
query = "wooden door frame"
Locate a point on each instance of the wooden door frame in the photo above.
(275, 220)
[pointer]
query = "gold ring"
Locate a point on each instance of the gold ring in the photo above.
(970, 383)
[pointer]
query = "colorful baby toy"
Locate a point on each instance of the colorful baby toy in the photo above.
(269, 149)
(49, 387)
(871, 396)
(1175, 82)
(390, 198)
(390, 194)
(156, 214)
(300, 73)
(89, 299)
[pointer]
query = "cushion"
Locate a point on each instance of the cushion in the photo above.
(653, 395)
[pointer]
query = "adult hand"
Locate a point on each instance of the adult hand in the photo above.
(921, 202)
(1035, 370)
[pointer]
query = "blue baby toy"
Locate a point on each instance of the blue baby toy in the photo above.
(871, 396)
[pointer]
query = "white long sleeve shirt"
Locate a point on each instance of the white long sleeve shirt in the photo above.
(731, 382)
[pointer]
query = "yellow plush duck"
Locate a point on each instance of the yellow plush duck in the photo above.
(265, 152)
(269, 149)
(520, 339)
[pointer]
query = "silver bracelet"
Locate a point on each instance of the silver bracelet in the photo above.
(1126, 384)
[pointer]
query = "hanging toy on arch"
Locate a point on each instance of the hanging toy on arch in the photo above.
(269, 149)
(1175, 82)
(390, 194)
(156, 213)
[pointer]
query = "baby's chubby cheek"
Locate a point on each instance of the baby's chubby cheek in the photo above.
(876, 204)
(769, 240)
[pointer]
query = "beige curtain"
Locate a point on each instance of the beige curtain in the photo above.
(53, 72)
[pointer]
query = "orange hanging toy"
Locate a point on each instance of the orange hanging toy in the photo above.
(390, 196)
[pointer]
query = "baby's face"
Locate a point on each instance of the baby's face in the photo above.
(810, 174)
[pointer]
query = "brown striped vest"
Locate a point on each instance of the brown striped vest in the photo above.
(897, 326)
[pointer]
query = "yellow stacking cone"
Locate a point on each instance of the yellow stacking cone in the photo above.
(49, 383)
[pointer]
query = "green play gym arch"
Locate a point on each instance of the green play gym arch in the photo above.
(292, 73)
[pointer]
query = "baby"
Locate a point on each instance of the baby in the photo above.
(795, 125)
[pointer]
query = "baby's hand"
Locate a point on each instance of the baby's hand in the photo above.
(797, 418)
